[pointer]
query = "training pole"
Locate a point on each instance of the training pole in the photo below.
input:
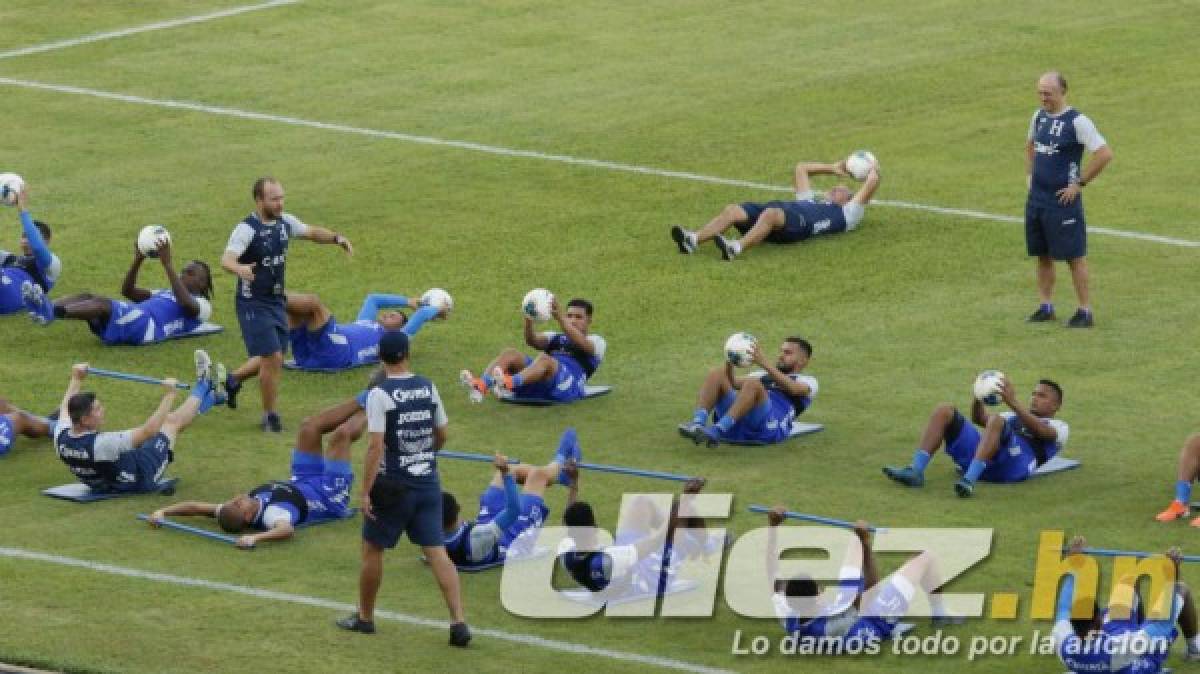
(113, 374)
(814, 518)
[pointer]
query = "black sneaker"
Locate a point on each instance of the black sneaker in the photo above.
(232, 387)
(1081, 319)
(271, 422)
(352, 623)
(685, 240)
(1042, 315)
(460, 635)
(726, 248)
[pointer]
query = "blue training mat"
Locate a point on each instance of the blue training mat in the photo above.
(200, 331)
(1056, 465)
(589, 391)
(81, 493)
(292, 365)
(798, 428)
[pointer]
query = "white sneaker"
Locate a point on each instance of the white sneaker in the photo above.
(472, 384)
(685, 240)
(729, 249)
(203, 365)
(1192, 656)
(499, 382)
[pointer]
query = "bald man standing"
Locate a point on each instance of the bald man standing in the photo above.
(1054, 224)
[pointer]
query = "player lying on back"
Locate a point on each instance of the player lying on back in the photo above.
(1011, 448)
(508, 519)
(754, 409)
(14, 422)
(560, 373)
(318, 488)
(320, 342)
(35, 271)
(786, 221)
(149, 316)
(1136, 643)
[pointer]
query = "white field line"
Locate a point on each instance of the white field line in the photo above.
(172, 23)
(271, 595)
(532, 154)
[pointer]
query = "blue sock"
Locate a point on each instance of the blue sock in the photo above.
(203, 392)
(1183, 492)
(920, 461)
(488, 381)
(700, 416)
(1047, 306)
(517, 380)
(726, 423)
(975, 470)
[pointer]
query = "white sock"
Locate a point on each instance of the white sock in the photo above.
(735, 246)
(1194, 643)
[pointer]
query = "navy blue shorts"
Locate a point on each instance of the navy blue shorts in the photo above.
(417, 511)
(142, 469)
(795, 227)
(1059, 232)
(264, 327)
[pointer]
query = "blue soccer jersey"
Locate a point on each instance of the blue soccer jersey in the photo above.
(337, 345)
(1058, 145)
(152, 320)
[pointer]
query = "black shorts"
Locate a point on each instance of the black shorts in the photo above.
(795, 227)
(264, 327)
(397, 510)
(1056, 231)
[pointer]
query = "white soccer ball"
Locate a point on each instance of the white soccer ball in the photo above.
(739, 349)
(149, 238)
(436, 297)
(859, 164)
(537, 303)
(11, 185)
(987, 387)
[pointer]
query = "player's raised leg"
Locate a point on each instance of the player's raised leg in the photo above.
(770, 220)
(1189, 470)
(945, 422)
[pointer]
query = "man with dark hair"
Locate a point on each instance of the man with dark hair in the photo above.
(35, 271)
(560, 373)
(132, 460)
(318, 488)
(785, 221)
(14, 422)
(508, 519)
(402, 493)
(1054, 224)
(257, 255)
(755, 408)
(150, 316)
(1011, 448)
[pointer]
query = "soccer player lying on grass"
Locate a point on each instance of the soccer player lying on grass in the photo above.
(150, 316)
(32, 272)
(754, 409)
(318, 489)
(644, 558)
(1104, 643)
(1189, 470)
(843, 619)
(1012, 447)
(508, 520)
(14, 422)
(785, 221)
(560, 373)
(319, 341)
(132, 460)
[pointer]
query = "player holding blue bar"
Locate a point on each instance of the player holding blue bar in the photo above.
(750, 409)
(35, 271)
(1011, 448)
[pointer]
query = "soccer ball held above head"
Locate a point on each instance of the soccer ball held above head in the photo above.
(987, 387)
(739, 349)
(537, 305)
(150, 238)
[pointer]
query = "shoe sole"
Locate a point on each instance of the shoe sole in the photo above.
(219, 394)
(680, 239)
(203, 371)
(32, 295)
(467, 380)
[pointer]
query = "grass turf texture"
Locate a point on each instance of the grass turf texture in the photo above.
(902, 313)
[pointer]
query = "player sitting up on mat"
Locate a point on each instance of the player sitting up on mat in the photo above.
(150, 316)
(1189, 470)
(318, 489)
(785, 221)
(14, 422)
(508, 521)
(843, 619)
(754, 409)
(26, 277)
(132, 460)
(320, 342)
(643, 558)
(1012, 447)
(1135, 643)
(560, 373)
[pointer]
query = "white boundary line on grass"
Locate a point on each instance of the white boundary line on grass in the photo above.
(272, 595)
(533, 154)
(172, 23)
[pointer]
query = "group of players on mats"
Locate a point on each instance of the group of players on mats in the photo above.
(762, 409)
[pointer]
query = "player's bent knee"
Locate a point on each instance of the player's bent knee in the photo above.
(734, 212)
(774, 216)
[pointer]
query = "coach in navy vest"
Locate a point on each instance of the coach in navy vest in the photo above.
(257, 255)
(406, 424)
(1054, 224)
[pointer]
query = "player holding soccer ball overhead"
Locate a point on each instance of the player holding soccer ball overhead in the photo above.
(790, 221)
(567, 359)
(753, 409)
(257, 255)
(1011, 447)
(35, 271)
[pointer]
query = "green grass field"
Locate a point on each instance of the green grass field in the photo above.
(902, 312)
